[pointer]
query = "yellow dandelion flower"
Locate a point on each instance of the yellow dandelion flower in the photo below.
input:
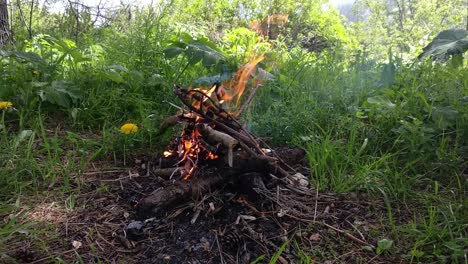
(129, 128)
(5, 105)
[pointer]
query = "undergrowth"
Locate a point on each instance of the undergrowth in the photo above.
(394, 130)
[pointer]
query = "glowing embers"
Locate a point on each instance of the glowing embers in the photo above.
(191, 151)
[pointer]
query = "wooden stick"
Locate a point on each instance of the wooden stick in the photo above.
(249, 99)
(217, 136)
(220, 137)
(167, 123)
(244, 137)
(355, 239)
(348, 235)
(237, 135)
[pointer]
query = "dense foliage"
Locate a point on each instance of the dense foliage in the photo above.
(371, 115)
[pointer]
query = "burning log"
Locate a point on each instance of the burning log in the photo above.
(193, 187)
(180, 191)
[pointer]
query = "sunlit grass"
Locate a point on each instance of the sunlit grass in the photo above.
(399, 138)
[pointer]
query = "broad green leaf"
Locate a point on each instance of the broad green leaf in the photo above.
(172, 52)
(210, 79)
(74, 113)
(5, 53)
(117, 67)
(27, 56)
(444, 116)
(135, 75)
(185, 38)
(387, 78)
(66, 43)
(381, 101)
(67, 46)
(67, 88)
(49, 39)
(368, 249)
(78, 56)
(24, 134)
(417, 253)
(445, 44)
(457, 60)
(464, 99)
(156, 79)
(263, 75)
(198, 51)
(206, 42)
(60, 93)
(39, 84)
(61, 44)
(195, 50)
(113, 76)
(384, 245)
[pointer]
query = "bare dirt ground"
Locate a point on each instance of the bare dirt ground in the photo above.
(101, 224)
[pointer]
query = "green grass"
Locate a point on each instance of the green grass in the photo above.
(400, 136)
(405, 142)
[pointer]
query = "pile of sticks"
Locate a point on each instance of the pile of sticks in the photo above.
(220, 128)
(221, 134)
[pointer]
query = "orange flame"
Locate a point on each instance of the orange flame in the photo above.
(235, 88)
(190, 148)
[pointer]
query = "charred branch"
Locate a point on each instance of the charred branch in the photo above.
(178, 192)
(240, 172)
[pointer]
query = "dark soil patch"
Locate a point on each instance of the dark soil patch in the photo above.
(231, 226)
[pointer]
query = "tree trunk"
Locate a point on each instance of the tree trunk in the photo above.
(5, 33)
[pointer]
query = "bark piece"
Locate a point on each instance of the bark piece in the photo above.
(5, 32)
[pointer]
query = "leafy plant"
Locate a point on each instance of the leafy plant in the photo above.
(447, 43)
(61, 93)
(384, 246)
(195, 50)
(113, 73)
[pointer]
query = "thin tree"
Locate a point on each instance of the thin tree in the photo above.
(28, 25)
(5, 32)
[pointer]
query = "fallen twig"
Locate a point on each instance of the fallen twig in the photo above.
(348, 235)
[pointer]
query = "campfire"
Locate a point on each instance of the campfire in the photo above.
(211, 127)
(213, 138)
(216, 170)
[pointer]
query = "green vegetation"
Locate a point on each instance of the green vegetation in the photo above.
(372, 116)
